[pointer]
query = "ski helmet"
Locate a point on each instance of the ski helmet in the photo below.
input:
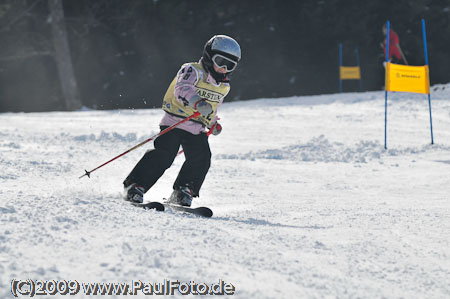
(223, 51)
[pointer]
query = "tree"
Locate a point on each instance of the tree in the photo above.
(62, 55)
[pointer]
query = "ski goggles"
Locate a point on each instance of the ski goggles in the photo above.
(221, 61)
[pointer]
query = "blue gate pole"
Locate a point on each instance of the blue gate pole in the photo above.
(385, 90)
(357, 63)
(426, 63)
(340, 64)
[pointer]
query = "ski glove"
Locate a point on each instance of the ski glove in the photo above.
(203, 107)
(217, 128)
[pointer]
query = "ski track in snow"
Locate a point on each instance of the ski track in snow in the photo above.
(307, 203)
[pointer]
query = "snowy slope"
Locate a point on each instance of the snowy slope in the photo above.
(307, 202)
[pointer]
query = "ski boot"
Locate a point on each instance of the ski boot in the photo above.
(181, 196)
(134, 193)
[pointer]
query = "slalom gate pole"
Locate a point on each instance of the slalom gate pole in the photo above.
(207, 134)
(426, 62)
(196, 114)
(357, 63)
(340, 65)
(385, 85)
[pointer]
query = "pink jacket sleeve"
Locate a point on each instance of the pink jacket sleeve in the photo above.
(185, 85)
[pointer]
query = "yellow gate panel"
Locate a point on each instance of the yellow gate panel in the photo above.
(405, 78)
(350, 72)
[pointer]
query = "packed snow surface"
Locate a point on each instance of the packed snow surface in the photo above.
(307, 202)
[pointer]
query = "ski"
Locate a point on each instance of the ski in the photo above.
(150, 205)
(200, 211)
(155, 205)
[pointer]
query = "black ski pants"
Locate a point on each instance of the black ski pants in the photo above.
(155, 162)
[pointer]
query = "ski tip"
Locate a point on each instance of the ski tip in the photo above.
(159, 207)
(154, 205)
(200, 211)
(150, 206)
(205, 212)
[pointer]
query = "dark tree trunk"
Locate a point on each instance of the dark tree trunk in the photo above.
(62, 56)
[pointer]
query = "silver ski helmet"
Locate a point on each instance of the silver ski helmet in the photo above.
(223, 51)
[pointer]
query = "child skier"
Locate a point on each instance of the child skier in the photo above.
(198, 86)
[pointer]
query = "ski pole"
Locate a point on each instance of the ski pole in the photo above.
(88, 173)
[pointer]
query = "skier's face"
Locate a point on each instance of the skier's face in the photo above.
(220, 70)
